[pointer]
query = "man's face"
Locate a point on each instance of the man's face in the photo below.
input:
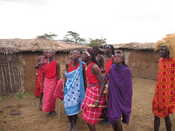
(98, 57)
(41, 59)
(74, 55)
(49, 54)
(164, 52)
(84, 57)
(108, 51)
(118, 57)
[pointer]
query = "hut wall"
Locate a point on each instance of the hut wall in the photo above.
(29, 60)
(143, 63)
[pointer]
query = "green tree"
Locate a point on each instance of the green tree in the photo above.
(49, 36)
(97, 42)
(73, 37)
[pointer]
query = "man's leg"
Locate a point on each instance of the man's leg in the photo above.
(156, 123)
(91, 127)
(41, 102)
(105, 118)
(117, 126)
(75, 117)
(168, 123)
(71, 122)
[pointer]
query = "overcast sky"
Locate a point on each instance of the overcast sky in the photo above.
(117, 20)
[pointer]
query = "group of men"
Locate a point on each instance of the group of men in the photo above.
(98, 84)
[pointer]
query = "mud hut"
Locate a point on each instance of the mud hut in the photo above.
(25, 54)
(141, 58)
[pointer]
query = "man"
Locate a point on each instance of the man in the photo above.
(164, 98)
(108, 61)
(74, 90)
(109, 52)
(94, 102)
(99, 57)
(120, 92)
(51, 72)
(41, 60)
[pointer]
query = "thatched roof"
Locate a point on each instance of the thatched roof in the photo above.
(135, 46)
(38, 45)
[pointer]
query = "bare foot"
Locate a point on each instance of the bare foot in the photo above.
(74, 128)
(53, 113)
(70, 127)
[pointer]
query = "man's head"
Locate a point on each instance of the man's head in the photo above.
(85, 55)
(164, 52)
(118, 57)
(41, 59)
(49, 53)
(97, 50)
(166, 46)
(109, 50)
(74, 55)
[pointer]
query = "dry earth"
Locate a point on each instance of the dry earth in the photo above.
(20, 113)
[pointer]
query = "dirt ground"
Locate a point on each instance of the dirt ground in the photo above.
(21, 113)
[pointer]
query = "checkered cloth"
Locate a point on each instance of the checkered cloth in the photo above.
(92, 115)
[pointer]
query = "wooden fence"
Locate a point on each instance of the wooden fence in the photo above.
(10, 75)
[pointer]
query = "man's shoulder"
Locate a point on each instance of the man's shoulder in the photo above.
(126, 68)
(172, 60)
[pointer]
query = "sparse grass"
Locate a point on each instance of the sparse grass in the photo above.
(18, 95)
(21, 95)
(4, 97)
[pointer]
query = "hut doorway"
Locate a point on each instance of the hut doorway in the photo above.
(10, 75)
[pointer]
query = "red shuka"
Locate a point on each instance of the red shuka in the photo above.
(72, 68)
(50, 70)
(38, 82)
(90, 77)
(50, 83)
(108, 64)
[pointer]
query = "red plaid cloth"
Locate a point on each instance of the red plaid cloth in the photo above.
(90, 114)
